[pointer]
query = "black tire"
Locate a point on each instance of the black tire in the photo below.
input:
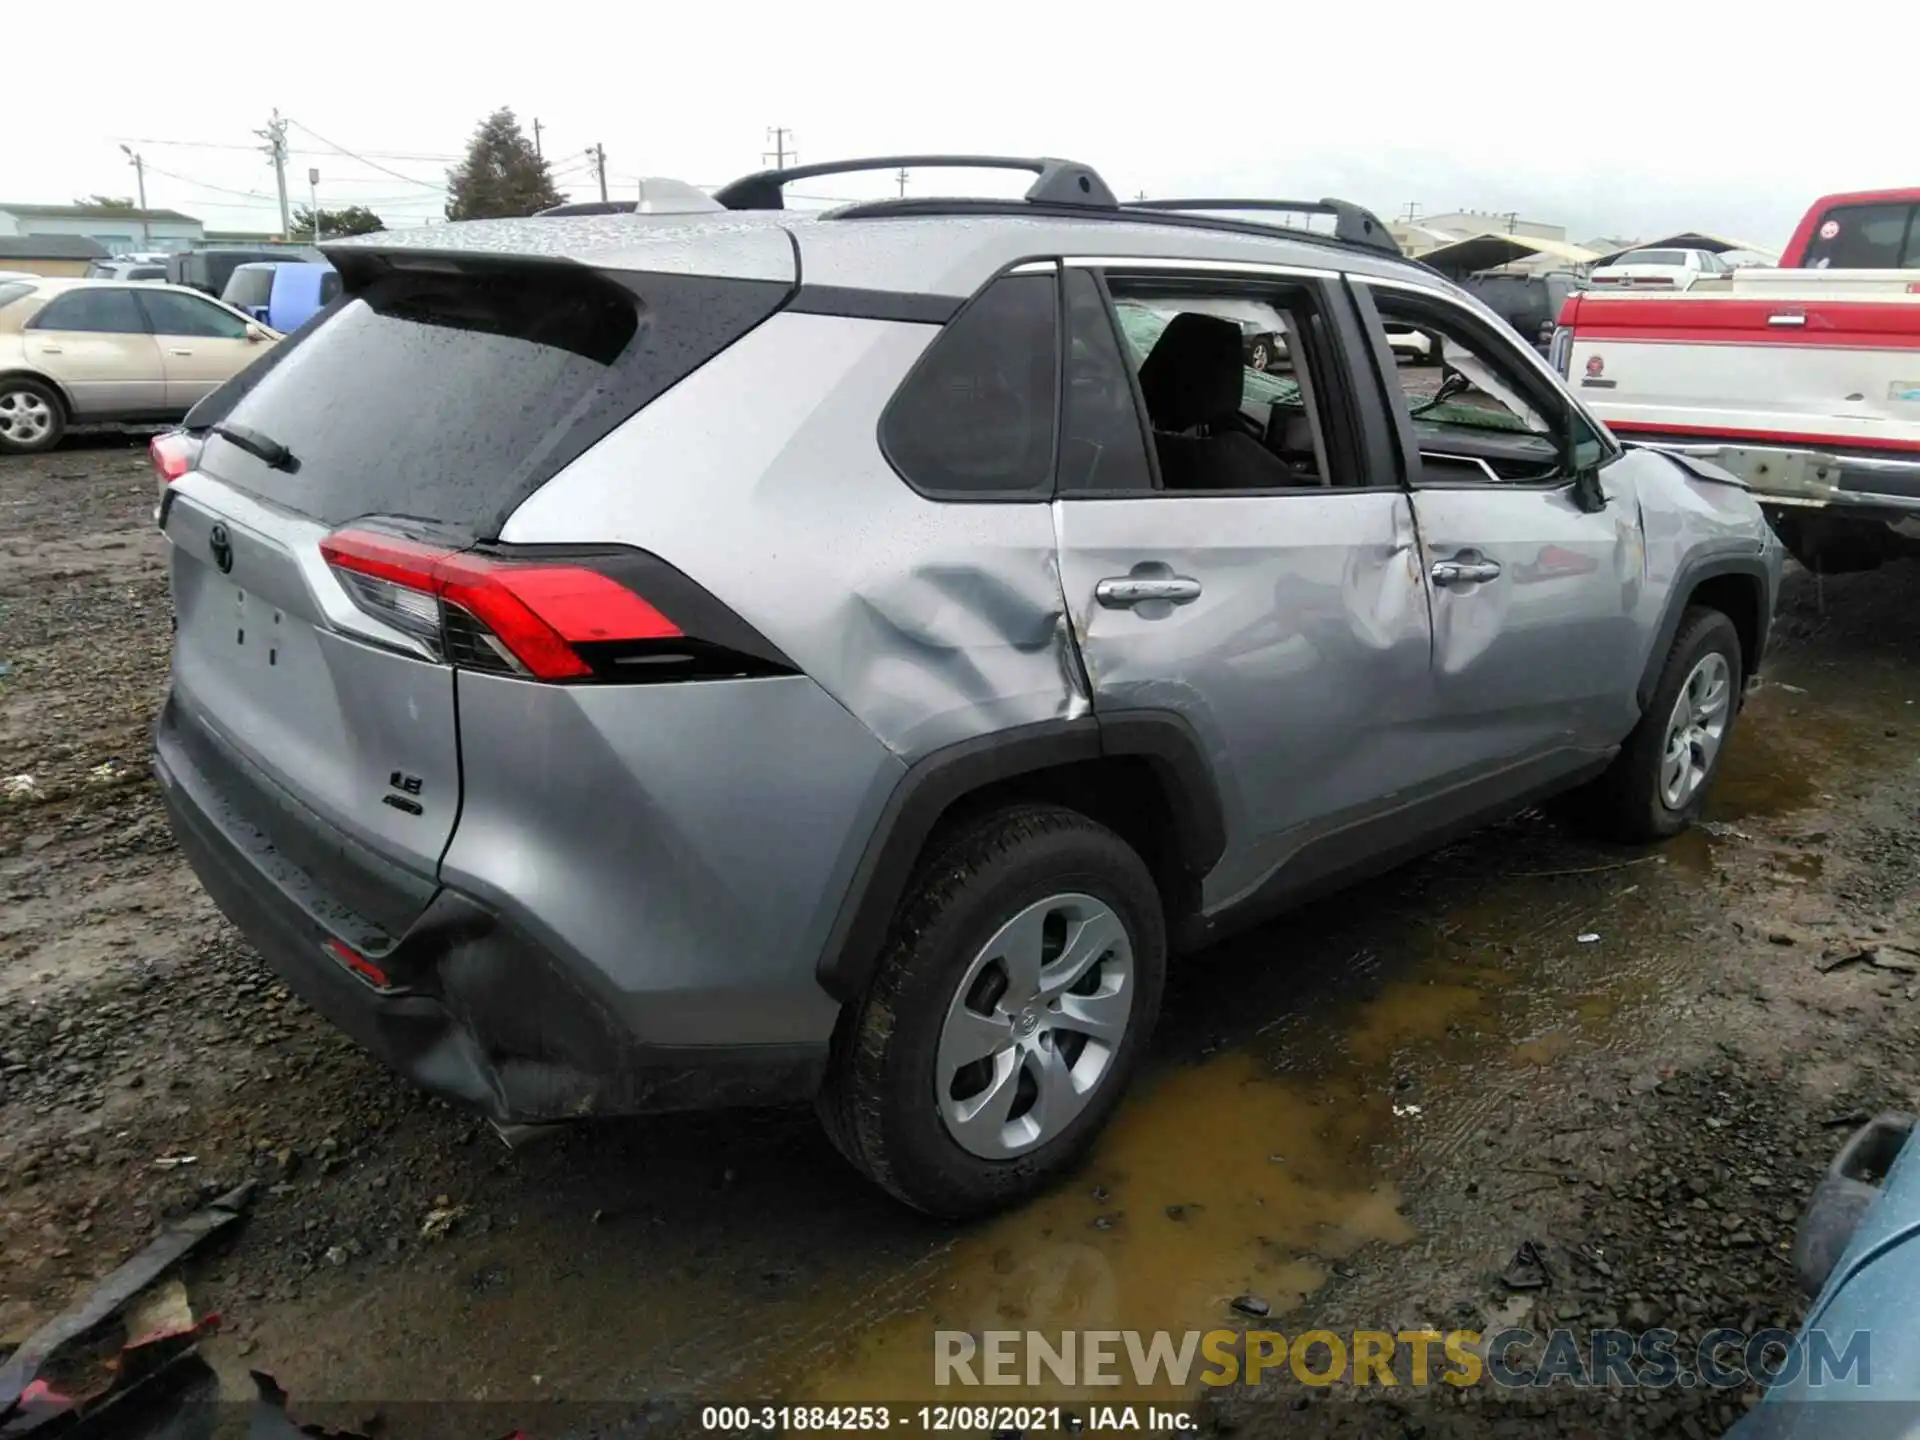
(879, 1103)
(56, 409)
(1625, 802)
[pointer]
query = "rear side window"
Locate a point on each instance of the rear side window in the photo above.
(175, 314)
(108, 312)
(451, 398)
(1865, 237)
(329, 287)
(974, 419)
(12, 290)
(249, 288)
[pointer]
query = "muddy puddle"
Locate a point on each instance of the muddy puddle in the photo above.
(1305, 1077)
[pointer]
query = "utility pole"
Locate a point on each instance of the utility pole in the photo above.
(1512, 217)
(1413, 212)
(140, 178)
(313, 200)
(537, 127)
(276, 147)
(597, 153)
(902, 178)
(781, 152)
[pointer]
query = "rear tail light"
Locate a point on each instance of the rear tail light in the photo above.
(543, 616)
(173, 454)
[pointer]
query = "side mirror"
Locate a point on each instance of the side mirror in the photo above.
(257, 333)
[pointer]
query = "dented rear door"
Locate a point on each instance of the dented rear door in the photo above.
(1297, 643)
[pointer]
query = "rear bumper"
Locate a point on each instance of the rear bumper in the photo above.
(473, 1009)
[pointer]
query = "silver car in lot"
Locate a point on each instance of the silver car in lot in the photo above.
(627, 662)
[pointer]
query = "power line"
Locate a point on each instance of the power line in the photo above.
(232, 145)
(372, 164)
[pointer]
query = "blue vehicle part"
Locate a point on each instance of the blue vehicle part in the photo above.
(1859, 1243)
(299, 291)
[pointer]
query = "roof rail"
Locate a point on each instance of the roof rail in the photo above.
(1352, 223)
(1060, 182)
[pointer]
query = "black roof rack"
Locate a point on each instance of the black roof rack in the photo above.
(1352, 223)
(1065, 188)
(1060, 182)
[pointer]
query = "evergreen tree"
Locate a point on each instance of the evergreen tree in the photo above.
(353, 220)
(502, 175)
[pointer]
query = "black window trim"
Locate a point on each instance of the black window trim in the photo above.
(1343, 403)
(32, 322)
(1536, 381)
(1042, 495)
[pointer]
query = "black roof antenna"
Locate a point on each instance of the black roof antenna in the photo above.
(1059, 182)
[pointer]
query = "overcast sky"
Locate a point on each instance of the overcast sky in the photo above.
(1615, 119)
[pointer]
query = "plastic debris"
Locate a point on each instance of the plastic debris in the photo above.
(1588, 937)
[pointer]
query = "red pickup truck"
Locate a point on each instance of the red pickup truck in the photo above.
(1802, 380)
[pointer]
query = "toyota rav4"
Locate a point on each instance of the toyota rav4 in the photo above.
(628, 662)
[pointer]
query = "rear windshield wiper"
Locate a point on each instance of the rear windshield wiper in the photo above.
(261, 447)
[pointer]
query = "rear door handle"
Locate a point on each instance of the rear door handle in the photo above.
(51, 350)
(180, 352)
(1786, 319)
(1121, 591)
(1465, 572)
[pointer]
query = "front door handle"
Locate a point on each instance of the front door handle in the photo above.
(1121, 591)
(1789, 317)
(1463, 571)
(180, 352)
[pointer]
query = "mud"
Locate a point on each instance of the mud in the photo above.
(1355, 1114)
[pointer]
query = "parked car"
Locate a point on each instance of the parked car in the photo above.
(1658, 270)
(81, 352)
(123, 268)
(208, 271)
(285, 296)
(582, 750)
(1800, 379)
(1529, 303)
(1858, 1256)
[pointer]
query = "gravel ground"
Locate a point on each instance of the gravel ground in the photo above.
(1358, 1114)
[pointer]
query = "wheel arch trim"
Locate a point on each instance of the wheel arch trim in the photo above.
(1693, 573)
(938, 781)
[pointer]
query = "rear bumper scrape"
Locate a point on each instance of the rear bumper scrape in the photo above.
(474, 1010)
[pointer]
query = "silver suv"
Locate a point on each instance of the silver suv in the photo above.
(629, 662)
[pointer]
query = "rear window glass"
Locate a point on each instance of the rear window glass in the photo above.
(451, 398)
(249, 288)
(1865, 237)
(11, 290)
(1653, 257)
(975, 418)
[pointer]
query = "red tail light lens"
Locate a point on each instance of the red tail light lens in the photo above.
(173, 455)
(526, 617)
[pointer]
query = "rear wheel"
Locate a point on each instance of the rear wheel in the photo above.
(32, 417)
(1260, 358)
(1013, 1002)
(1658, 783)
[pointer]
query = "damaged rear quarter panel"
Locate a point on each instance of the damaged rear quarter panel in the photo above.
(761, 477)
